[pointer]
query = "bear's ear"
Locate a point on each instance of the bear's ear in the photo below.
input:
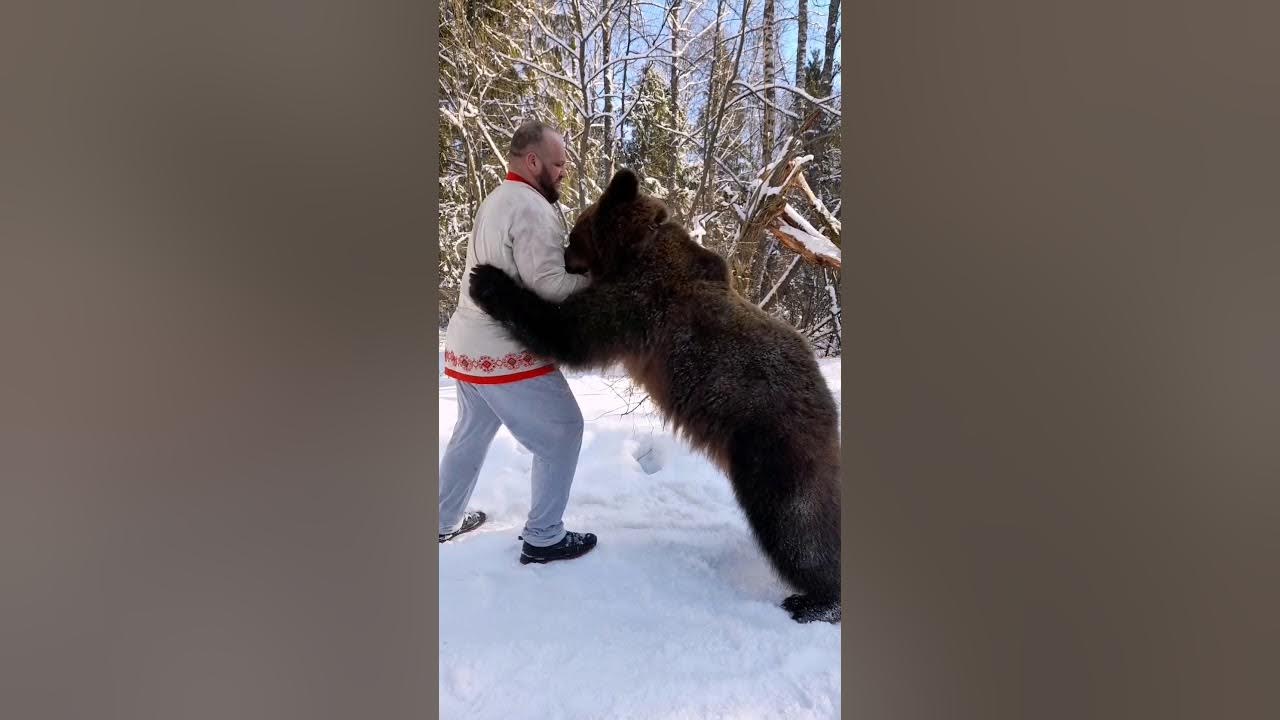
(661, 214)
(624, 187)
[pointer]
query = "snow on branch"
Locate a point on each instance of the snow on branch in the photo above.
(757, 91)
(655, 53)
(767, 209)
(528, 63)
(798, 236)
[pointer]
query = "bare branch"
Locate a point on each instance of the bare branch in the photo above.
(757, 91)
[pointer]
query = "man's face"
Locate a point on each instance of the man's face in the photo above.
(552, 166)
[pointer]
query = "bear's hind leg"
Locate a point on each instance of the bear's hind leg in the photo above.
(792, 502)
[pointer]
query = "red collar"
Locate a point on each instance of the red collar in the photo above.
(513, 176)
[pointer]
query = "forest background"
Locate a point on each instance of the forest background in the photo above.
(729, 110)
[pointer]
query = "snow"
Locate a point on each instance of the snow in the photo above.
(807, 235)
(798, 220)
(698, 229)
(673, 615)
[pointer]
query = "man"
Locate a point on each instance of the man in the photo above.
(518, 228)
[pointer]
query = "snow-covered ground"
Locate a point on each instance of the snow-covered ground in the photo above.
(673, 615)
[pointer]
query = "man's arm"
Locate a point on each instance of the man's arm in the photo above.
(538, 250)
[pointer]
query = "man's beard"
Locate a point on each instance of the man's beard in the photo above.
(547, 186)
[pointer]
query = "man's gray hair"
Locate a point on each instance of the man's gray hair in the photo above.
(528, 136)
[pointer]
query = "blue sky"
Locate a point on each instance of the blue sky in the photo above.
(785, 11)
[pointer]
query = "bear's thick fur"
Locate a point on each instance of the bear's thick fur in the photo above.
(740, 385)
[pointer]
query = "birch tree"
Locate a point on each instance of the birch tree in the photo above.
(767, 31)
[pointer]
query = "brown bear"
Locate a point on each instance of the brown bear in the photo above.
(739, 385)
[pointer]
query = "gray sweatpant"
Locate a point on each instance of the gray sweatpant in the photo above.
(542, 414)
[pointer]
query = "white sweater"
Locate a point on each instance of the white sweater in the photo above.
(517, 230)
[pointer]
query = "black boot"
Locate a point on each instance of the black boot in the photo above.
(570, 546)
(470, 521)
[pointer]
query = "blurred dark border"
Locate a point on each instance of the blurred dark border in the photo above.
(432, 237)
(1061, 402)
(218, 390)
(218, 399)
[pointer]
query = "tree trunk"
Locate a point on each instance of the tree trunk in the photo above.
(584, 166)
(606, 161)
(776, 292)
(626, 67)
(802, 48)
(701, 202)
(828, 60)
(770, 70)
(802, 40)
(676, 111)
(760, 267)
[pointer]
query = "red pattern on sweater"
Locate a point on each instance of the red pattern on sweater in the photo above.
(486, 364)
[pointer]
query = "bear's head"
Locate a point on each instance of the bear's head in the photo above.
(627, 232)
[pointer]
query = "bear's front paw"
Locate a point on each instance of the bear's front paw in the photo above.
(807, 608)
(489, 285)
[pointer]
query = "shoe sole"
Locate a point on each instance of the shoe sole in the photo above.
(463, 532)
(526, 559)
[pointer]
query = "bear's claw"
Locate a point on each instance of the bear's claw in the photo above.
(807, 608)
(488, 283)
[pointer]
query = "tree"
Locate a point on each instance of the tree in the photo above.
(480, 95)
(673, 153)
(802, 46)
(770, 72)
(653, 146)
(829, 47)
(693, 94)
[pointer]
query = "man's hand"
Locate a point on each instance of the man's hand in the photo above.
(492, 289)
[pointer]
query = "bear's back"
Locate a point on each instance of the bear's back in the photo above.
(722, 355)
